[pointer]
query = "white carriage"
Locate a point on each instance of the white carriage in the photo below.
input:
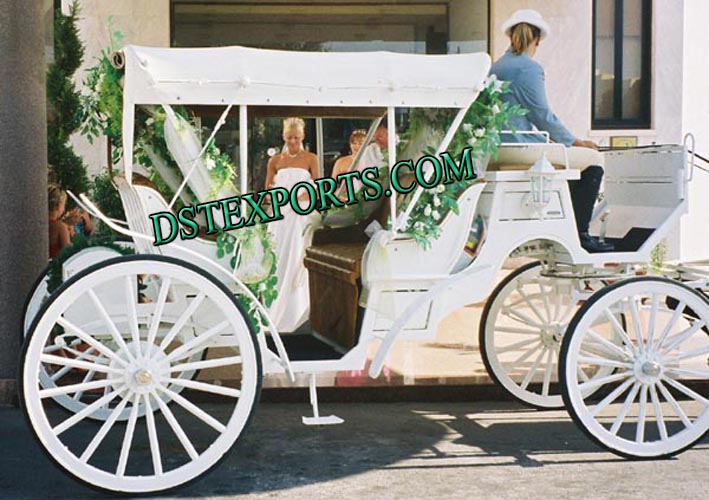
(122, 342)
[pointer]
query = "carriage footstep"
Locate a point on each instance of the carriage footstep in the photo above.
(316, 419)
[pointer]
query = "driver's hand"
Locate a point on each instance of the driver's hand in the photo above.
(585, 144)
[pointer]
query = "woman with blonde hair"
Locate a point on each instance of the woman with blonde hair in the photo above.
(526, 29)
(59, 236)
(291, 236)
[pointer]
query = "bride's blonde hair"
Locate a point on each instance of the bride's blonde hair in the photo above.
(293, 122)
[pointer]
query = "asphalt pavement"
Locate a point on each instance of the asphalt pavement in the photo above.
(484, 450)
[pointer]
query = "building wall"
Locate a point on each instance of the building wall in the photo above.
(695, 105)
(142, 22)
(566, 56)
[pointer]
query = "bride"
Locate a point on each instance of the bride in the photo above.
(291, 166)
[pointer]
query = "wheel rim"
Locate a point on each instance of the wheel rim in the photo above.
(523, 331)
(645, 408)
(140, 369)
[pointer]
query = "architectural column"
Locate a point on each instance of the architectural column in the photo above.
(23, 172)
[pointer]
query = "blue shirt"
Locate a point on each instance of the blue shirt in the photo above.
(527, 89)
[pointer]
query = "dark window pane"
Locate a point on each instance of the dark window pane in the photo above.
(632, 59)
(605, 59)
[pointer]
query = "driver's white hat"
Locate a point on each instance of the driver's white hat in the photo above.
(529, 16)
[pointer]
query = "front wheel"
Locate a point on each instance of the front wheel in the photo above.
(648, 407)
(140, 348)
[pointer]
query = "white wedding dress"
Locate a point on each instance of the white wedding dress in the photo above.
(291, 236)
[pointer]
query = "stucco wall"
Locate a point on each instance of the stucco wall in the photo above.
(142, 22)
(695, 226)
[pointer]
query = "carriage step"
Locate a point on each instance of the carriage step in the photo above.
(316, 419)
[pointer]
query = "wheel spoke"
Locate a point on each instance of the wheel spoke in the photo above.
(59, 374)
(670, 323)
(640, 429)
(70, 389)
(659, 418)
(77, 417)
(159, 308)
(686, 372)
(194, 410)
(207, 363)
(103, 431)
(204, 387)
(152, 436)
(534, 309)
(516, 346)
(582, 374)
(132, 301)
(520, 318)
(612, 397)
(547, 373)
(686, 390)
(637, 326)
(128, 438)
(177, 429)
(624, 409)
(703, 351)
(674, 404)
(65, 323)
(545, 301)
(654, 305)
(598, 382)
(184, 350)
(533, 369)
(681, 337)
(607, 343)
(77, 363)
(182, 320)
(88, 378)
(618, 328)
(526, 355)
(115, 334)
(592, 360)
(519, 331)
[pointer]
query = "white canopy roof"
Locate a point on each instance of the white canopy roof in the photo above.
(258, 77)
(241, 75)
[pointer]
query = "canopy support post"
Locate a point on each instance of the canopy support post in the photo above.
(401, 224)
(391, 150)
(128, 131)
(320, 144)
(243, 148)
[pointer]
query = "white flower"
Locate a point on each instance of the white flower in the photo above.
(490, 81)
(436, 215)
(467, 127)
(427, 211)
(436, 201)
(210, 163)
(479, 132)
(497, 86)
(418, 226)
(262, 287)
(149, 121)
(440, 188)
(472, 141)
(216, 151)
(495, 109)
(271, 151)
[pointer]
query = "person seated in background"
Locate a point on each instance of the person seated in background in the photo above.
(59, 236)
(526, 29)
(343, 163)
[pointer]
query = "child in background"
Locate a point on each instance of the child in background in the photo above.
(58, 231)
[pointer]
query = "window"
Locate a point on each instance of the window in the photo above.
(621, 64)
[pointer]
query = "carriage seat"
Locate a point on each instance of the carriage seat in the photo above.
(523, 156)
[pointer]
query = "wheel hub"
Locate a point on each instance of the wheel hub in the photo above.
(144, 370)
(648, 369)
(552, 334)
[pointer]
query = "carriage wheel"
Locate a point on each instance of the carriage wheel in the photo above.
(648, 408)
(76, 402)
(135, 368)
(521, 330)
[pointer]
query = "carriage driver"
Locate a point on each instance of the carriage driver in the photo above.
(526, 28)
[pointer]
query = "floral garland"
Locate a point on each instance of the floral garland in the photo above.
(480, 130)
